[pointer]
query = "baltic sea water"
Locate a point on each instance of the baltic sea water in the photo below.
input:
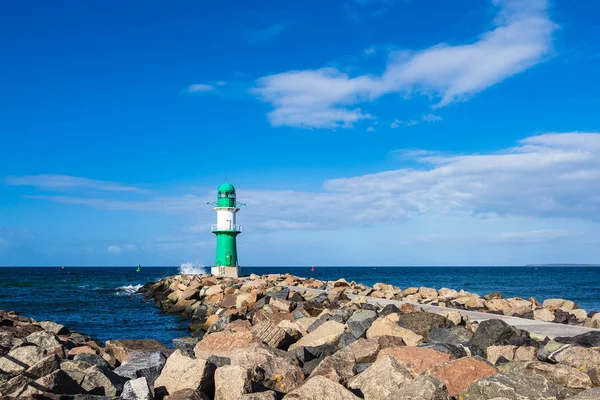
(100, 301)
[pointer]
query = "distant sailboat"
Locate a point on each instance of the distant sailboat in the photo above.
(139, 268)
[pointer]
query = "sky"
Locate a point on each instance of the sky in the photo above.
(358, 132)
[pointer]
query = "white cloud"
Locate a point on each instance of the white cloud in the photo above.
(281, 224)
(370, 129)
(114, 249)
(61, 182)
(397, 123)
(536, 236)
(431, 118)
(369, 51)
(328, 98)
(200, 88)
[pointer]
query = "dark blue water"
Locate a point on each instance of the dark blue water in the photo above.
(99, 301)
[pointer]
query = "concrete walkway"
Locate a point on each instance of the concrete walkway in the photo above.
(535, 328)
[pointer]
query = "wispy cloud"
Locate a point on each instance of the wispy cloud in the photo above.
(116, 250)
(62, 182)
(329, 98)
(431, 118)
(200, 88)
(397, 123)
(261, 36)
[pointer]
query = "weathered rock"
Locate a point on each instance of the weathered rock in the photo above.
(183, 372)
(381, 379)
(54, 328)
(416, 359)
(328, 333)
(510, 353)
(80, 350)
(564, 375)
(275, 369)
(588, 339)
(511, 386)
(272, 335)
(146, 365)
(555, 304)
(44, 367)
(452, 316)
(455, 335)
(581, 358)
(43, 339)
(423, 387)
(188, 394)
(92, 359)
(363, 351)
(497, 305)
(360, 321)
(137, 389)
(231, 382)
(422, 323)
(102, 381)
(543, 314)
(121, 350)
(320, 388)
(19, 359)
(428, 293)
(268, 395)
(55, 382)
(492, 332)
(459, 374)
(186, 344)
(222, 343)
(385, 327)
(454, 351)
(338, 367)
(590, 394)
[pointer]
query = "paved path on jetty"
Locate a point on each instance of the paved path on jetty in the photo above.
(536, 328)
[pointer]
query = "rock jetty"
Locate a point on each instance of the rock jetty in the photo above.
(263, 338)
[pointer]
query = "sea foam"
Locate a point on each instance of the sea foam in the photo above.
(128, 289)
(191, 269)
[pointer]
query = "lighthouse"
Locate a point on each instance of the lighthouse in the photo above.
(226, 230)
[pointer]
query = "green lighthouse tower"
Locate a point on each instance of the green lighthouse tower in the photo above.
(226, 230)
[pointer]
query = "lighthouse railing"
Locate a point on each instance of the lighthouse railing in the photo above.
(231, 228)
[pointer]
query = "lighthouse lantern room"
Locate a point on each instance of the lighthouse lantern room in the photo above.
(226, 230)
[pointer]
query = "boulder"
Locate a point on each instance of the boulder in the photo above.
(422, 323)
(360, 321)
(183, 372)
(268, 395)
(428, 293)
(272, 335)
(455, 335)
(452, 316)
(186, 344)
(55, 382)
(54, 328)
(510, 353)
(92, 359)
(21, 358)
(328, 333)
(188, 394)
(222, 343)
(512, 386)
(231, 382)
(459, 374)
(146, 365)
(43, 339)
(80, 350)
(381, 379)
(363, 350)
(562, 304)
(590, 394)
(43, 367)
(588, 339)
(101, 381)
(423, 387)
(275, 369)
(385, 327)
(320, 388)
(121, 350)
(563, 375)
(543, 314)
(497, 305)
(137, 389)
(581, 358)
(447, 294)
(416, 359)
(492, 332)
(338, 367)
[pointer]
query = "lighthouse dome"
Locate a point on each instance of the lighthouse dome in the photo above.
(226, 188)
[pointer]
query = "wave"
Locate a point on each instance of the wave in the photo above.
(191, 269)
(128, 289)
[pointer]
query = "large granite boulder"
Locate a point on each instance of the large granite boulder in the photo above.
(422, 323)
(459, 374)
(590, 394)
(101, 381)
(147, 365)
(21, 358)
(565, 376)
(183, 372)
(514, 386)
(338, 367)
(502, 354)
(268, 395)
(44, 340)
(232, 382)
(137, 389)
(275, 369)
(55, 382)
(328, 333)
(492, 332)
(222, 344)
(416, 359)
(423, 387)
(54, 328)
(381, 379)
(360, 321)
(320, 388)
(122, 350)
(383, 326)
(588, 339)
(581, 358)
(455, 335)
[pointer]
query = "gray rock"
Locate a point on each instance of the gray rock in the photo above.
(21, 358)
(423, 387)
(381, 379)
(589, 339)
(456, 351)
(345, 313)
(219, 361)
(92, 359)
(137, 389)
(590, 394)
(54, 328)
(148, 365)
(362, 367)
(268, 395)
(320, 388)
(55, 382)
(186, 344)
(272, 335)
(101, 381)
(513, 386)
(492, 332)
(338, 367)
(360, 321)
(389, 309)
(455, 336)
(493, 296)
(346, 340)
(422, 323)
(232, 382)
(43, 339)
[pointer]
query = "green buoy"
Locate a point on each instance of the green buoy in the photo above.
(139, 268)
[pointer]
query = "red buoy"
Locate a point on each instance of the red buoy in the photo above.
(313, 268)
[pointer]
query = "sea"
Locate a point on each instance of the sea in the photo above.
(102, 302)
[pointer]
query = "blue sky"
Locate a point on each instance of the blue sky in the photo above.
(359, 132)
